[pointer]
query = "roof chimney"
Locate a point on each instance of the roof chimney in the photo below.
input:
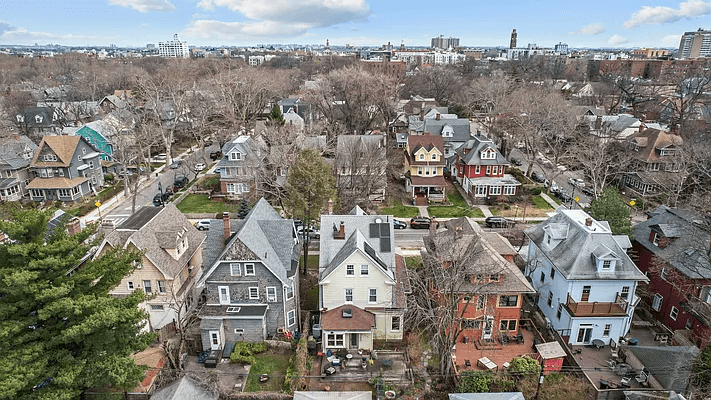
(341, 232)
(330, 206)
(641, 127)
(438, 116)
(588, 221)
(73, 226)
(598, 122)
(226, 223)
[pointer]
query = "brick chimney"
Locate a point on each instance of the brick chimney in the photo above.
(641, 127)
(438, 116)
(73, 226)
(340, 233)
(588, 221)
(226, 223)
(598, 122)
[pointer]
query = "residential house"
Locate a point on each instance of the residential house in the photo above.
(657, 159)
(666, 367)
(672, 249)
(585, 280)
(170, 264)
(479, 168)
(617, 127)
(66, 168)
(301, 108)
(418, 104)
(454, 131)
(424, 169)
(252, 287)
(294, 121)
(16, 153)
(362, 283)
(38, 121)
(101, 135)
(112, 102)
(241, 157)
(490, 287)
(360, 167)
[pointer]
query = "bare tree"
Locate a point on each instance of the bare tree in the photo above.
(602, 158)
(360, 169)
(456, 279)
(443, 83)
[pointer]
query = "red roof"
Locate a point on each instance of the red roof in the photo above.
(360, 320)
(428, 181)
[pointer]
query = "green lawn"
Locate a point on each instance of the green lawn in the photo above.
(400, 211)
(201, 203)
(459, 208)
(273, 364)
(540, 203)
(313, 261)
(413, 262)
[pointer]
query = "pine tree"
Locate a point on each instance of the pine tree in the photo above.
(275, 117)
(60, 330)
(611, 207)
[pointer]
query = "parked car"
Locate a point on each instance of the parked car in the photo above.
(588, 191)
(564, 197)
(516, 162)
(399, 224)
(555, 188)
(499, 222)
(207, 143)
(180, 182)
(199, 166)
(577, 182)
(538, 177)
(203, 225)
(160, 157)
(176, 164)
(420, 223)
(313, 232)
(215, 155)
(160, 199)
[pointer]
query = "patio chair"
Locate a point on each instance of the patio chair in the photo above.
(641, 377)
(519, 338)
(467, 363)
(504, 338)
(625, 382)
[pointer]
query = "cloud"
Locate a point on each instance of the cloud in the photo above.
(145, 6)
(671, 40)
(21, 35)
(661, 14)
(617, 40)
(276, 18)
(590, 29)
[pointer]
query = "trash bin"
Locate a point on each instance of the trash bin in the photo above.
(316, 331)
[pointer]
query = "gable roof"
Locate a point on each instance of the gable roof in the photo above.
(267, 237)
(360, 319)
(12, 149)
(250, 146)
(651, 139)
(155, 230)
(476, 145)
(465, 235)
(686, 252)
(572, 256)
(63, 146)
(460, 128)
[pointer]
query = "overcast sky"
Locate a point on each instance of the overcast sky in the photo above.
(602, 23)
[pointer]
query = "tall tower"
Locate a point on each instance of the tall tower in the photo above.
(514, 35)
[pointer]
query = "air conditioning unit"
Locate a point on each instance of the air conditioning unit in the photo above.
(548, 322)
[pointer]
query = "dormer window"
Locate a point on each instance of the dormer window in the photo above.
(422, 156)
(434, 157)
(655, 238)
(38, 119)
(235, 155)
(634, 146)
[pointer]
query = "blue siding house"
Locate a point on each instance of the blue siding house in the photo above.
(586, 283)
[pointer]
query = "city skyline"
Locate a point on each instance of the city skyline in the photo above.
(652, 23)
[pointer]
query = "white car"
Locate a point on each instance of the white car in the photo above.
(203, 225)
(199, 167)
(576, 182)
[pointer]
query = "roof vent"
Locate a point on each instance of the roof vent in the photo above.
(347, 313)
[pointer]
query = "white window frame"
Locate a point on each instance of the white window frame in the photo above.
(488, 170)
(161, 286)
(625, 293)
(147, 286)
(238, 269)
(422, 156)
(495, 170)
(674, 313)
(291, 318)
(494, 190)
(235, 156)
(157, 307)
(350, 269)
(655, 239)
(226, 298)
(335, 340)
(657, 302)
(271, 297)
(509, 190)
(130, 285)
(606, 265)
(253, 292)
(392, 323)
(364, 270)
(348, 292)
(606, 330)
(477, 170)
(247, 267)
(372, 292)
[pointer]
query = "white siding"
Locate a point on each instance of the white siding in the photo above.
(333, 287)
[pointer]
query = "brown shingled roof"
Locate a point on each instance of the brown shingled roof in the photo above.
(55, 183)
(63, 146)
(360, 320)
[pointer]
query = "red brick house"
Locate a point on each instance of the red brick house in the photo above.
(480, 168)
(492, 289)
(673, 250)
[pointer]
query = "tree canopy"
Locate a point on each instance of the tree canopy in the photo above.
(62, 332)
(612, 208)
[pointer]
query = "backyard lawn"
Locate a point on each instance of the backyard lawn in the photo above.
(201, 203)
(313, 261)
(459, 208)
(541, 203)
(400, 211)
(268, 363)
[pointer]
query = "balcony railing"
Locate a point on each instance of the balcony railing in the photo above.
(596, 308)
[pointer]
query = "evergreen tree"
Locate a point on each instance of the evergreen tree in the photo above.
(62, 332)
(275, 117)
(309, 186)
(612, 208)
(243, 209)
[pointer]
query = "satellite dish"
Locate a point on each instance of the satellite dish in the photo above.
(378, 220)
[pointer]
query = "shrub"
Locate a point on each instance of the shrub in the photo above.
(298, 369)
(525, 366)
(474, 382)
(535, 191)
(109, 177)
(244, 352)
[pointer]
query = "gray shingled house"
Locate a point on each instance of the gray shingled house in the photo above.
(252, 287)
(15, 155)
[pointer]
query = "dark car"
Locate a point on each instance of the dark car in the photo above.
(180, 182)
(564, 197)
(420, 223)
(215, 155)
(399, 224)
(498, 222)
(538, 177)
(588, 191)
(516, 162)
(160, 199)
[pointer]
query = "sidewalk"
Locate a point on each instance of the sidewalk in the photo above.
(550, 201)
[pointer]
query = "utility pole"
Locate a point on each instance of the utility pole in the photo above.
(540, 378)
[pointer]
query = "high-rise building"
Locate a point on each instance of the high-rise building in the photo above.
(561, 48)
(442, 42)
(514, 35)
(695, 44)
(174, 48)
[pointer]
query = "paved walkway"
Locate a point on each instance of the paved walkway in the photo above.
(485, 210)
(550, 201)
(423, 211)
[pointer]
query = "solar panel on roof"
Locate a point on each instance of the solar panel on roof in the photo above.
(374, 230)
(369, 250)
(384, 244)
(385, 229)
